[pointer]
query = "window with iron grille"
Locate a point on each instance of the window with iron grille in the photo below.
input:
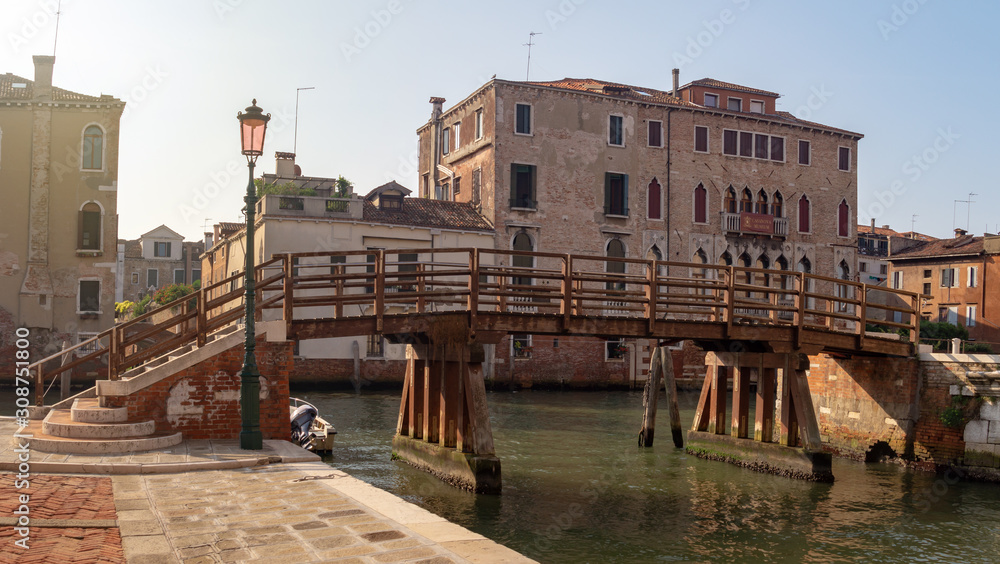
(376, 346)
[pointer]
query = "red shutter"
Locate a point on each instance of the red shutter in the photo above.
(803, 215)
(700, 211)
(842, 212)
(654, 200)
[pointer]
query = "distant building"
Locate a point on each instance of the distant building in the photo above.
(709, 172)
(873, 251)
(384, 219)
(958, 277)
(158, 259)
(59, 173)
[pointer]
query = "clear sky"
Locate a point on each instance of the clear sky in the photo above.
(916, 77)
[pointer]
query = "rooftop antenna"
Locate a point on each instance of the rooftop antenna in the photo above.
(295, 139)
(913, 221)
(968, 212)
(56, 40)
(531, 35)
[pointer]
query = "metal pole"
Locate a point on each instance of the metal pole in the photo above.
(250, 436)
(295, 137)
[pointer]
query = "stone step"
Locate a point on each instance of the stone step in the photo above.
(88, 410)
(59, 423)
(43, 442)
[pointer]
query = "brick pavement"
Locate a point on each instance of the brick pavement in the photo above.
(72, 520)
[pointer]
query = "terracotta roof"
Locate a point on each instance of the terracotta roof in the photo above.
(27, 92)
(893, 233)
(614, 89)
(133, 249)
(227, 228)
(957, 246)
(391, 185)
(423, 212)
(712, 83)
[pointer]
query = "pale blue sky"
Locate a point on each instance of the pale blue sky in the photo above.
(915, 77)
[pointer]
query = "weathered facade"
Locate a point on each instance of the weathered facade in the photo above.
(709, 172)
(384, 219)
(959, 278)
(58, 234)
(155, 260)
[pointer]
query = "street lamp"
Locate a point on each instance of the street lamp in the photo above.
(253, 125)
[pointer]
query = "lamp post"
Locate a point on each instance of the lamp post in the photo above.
(253, 125)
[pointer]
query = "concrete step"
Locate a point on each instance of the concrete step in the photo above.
(88, 410)
(59, 423)
(43, 442)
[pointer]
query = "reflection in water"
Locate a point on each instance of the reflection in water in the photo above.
(577, 489)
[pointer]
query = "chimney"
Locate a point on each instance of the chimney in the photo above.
(208, 240)
(284, 165)
(873, 226)
(677, 83)
(960, 232)
(43, 75)
(436, 104)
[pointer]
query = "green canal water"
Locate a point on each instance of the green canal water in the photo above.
(578, 489)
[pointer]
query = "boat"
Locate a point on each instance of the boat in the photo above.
(309, 430)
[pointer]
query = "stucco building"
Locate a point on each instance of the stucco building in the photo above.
(958, 277)
(58, 234)
(155, 260)
(384, 219)
(708, 172)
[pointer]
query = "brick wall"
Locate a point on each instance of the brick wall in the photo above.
(203, 401)
(338, 373)
(571, 363)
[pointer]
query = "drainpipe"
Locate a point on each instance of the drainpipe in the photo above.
(669, 209)
(436, 104)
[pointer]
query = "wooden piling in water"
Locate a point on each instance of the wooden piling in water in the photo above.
(649, 397)
(670, 384)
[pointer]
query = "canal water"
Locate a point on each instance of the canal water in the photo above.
(576, 488)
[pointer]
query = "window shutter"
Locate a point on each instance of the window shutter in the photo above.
(168, 250)
(513, 185)
(79, 229)
(534, 180)
(607, 192)
(624, 194)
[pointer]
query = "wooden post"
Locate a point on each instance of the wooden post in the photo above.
(113, 351)
(289, 290)
(701, 413)
(338, 310)
(403, 422)
(764, 416)
(670, 384)
(649, 397)
(432, 405)
(717, 413)
(39, 387)
(789, 430)
(416, 395)
(480, 440)
(741, 402)
(805, 415)
(566, 307)
(862, 315)
(379, 289)
(65, 376)
(730, 299)
(473, 302)
(201, 321)
(650, 308)
(800, 308)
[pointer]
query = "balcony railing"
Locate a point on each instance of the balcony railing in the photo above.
(755, 223)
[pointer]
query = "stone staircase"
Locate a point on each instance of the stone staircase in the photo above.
(84, 424)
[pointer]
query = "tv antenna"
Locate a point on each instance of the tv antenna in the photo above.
(56, 40)
(531, 35)
(968, 214)
(913, 221)
(295, 138)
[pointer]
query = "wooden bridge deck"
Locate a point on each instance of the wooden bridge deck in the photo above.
(484, 294)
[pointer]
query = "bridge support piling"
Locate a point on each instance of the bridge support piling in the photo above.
(444, 424)
(798, 452)
(660, 365)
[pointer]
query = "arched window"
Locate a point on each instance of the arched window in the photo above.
(700, 273)
(522, 242)
(726, 259)
(804, 213)
(744, 277)
(616, 249)
(805, 267)
(701, 204)
(843, 219)
(778, 205)
(762, 203)
(88, 234)
(746, 202)
(763, 278)
(781, 263)
(654, 254)
(93, 148)
(843, 290)
(730, 204)
(654, 198)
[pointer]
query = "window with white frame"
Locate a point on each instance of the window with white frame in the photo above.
(734, 104)
(91, 347)
(195, 275)
(972, 277)
(479, 124)
(520, 345)
(614, 349)
(89, 227)
(711, 100)
(970, 316)
(376, 346)
(92, 157)
(654, 135)
(844, 159)
(477, 186)
(135, 277)
(616, 133)
(753, 145)
(522, 123)
(152, 278)
(445, 141)
(805, 152)
(897, 280)
(458, 134)
(756, 107)
(161, 250)
(948, 278)
(179, 276)
(700, 139)
(89, 296)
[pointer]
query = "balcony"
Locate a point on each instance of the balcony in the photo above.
(311, 206)
(754, 224)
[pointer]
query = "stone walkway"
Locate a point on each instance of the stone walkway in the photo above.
(209, 501)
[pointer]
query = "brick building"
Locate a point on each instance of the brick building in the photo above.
(959, 278)
(873, 251)
(710, 172)
(59, 173)
(155, 260)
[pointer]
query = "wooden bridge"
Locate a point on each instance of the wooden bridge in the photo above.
(448, 302)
